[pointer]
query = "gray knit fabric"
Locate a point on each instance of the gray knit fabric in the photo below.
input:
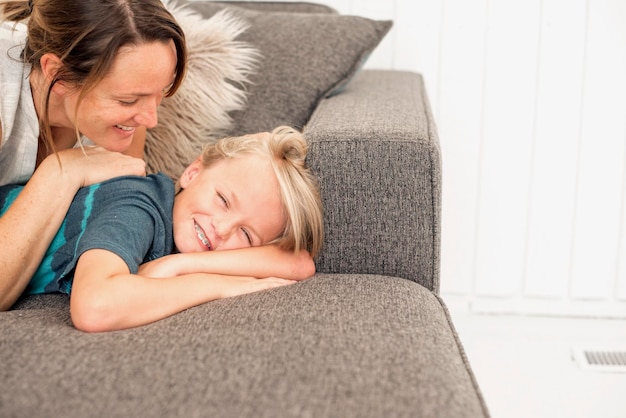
(343, 344)
(271, 6)
(376, 152)
(332, 346)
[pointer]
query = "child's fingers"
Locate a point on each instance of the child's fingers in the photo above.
(270, 282)
(267, 283)
(242, 286)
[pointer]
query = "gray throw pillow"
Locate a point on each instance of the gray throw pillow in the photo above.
(279, 6)
(304, 57)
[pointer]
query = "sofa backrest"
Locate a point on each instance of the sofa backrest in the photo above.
(277, 6)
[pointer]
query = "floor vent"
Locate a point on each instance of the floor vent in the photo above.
(602, 360)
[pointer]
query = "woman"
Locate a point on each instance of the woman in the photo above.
(86, 70)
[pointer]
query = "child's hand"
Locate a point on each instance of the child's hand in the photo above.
(237, 285)
(167, 266)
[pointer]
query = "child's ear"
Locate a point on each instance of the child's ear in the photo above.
(190, 173)
(50, 66)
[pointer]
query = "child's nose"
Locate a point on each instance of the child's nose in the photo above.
(223, 228)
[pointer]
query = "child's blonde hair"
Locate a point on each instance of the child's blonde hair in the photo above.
(286, 149)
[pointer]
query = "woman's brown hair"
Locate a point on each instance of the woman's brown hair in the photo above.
(87, 35)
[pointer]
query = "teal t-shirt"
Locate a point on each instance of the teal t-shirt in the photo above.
(130, 216)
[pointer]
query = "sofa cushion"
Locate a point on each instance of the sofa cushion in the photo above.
(304, 57)
(334, 345)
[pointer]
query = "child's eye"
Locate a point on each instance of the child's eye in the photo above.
(248, 237)
(223, 199)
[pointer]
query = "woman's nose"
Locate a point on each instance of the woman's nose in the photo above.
(148, 116)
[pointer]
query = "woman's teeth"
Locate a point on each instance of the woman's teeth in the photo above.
(124, 128)
(201, 235)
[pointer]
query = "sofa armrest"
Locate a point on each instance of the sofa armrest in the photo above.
(375, 150)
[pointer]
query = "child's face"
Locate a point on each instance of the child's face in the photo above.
(235, 203)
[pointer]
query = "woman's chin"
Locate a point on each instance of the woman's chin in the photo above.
(119, 143)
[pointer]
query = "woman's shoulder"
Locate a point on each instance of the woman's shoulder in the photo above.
(12, 32)
(20, 127)
(12, 42)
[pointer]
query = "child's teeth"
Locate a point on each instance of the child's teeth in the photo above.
(201, 235)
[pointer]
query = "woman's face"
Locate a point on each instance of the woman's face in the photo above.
(127, 98)
(235, 203)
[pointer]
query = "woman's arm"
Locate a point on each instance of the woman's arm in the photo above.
(263, 261)
(106, 297)
(29, 225)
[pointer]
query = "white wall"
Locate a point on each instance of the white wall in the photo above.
(530, 100)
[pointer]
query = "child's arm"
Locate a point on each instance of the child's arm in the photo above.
(263, 261)
(106, 297)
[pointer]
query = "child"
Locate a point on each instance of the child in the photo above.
(247, 217)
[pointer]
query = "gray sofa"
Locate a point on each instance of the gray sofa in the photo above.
(367, 336)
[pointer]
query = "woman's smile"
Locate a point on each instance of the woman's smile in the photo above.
(125, 128)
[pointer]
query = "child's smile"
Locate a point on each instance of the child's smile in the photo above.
(202, 236)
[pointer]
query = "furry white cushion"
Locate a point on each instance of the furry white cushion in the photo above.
(218, 70)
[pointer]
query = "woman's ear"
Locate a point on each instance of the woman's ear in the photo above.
(50, 66)
(190, 173)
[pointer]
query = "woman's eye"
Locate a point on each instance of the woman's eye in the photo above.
(127, 103)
